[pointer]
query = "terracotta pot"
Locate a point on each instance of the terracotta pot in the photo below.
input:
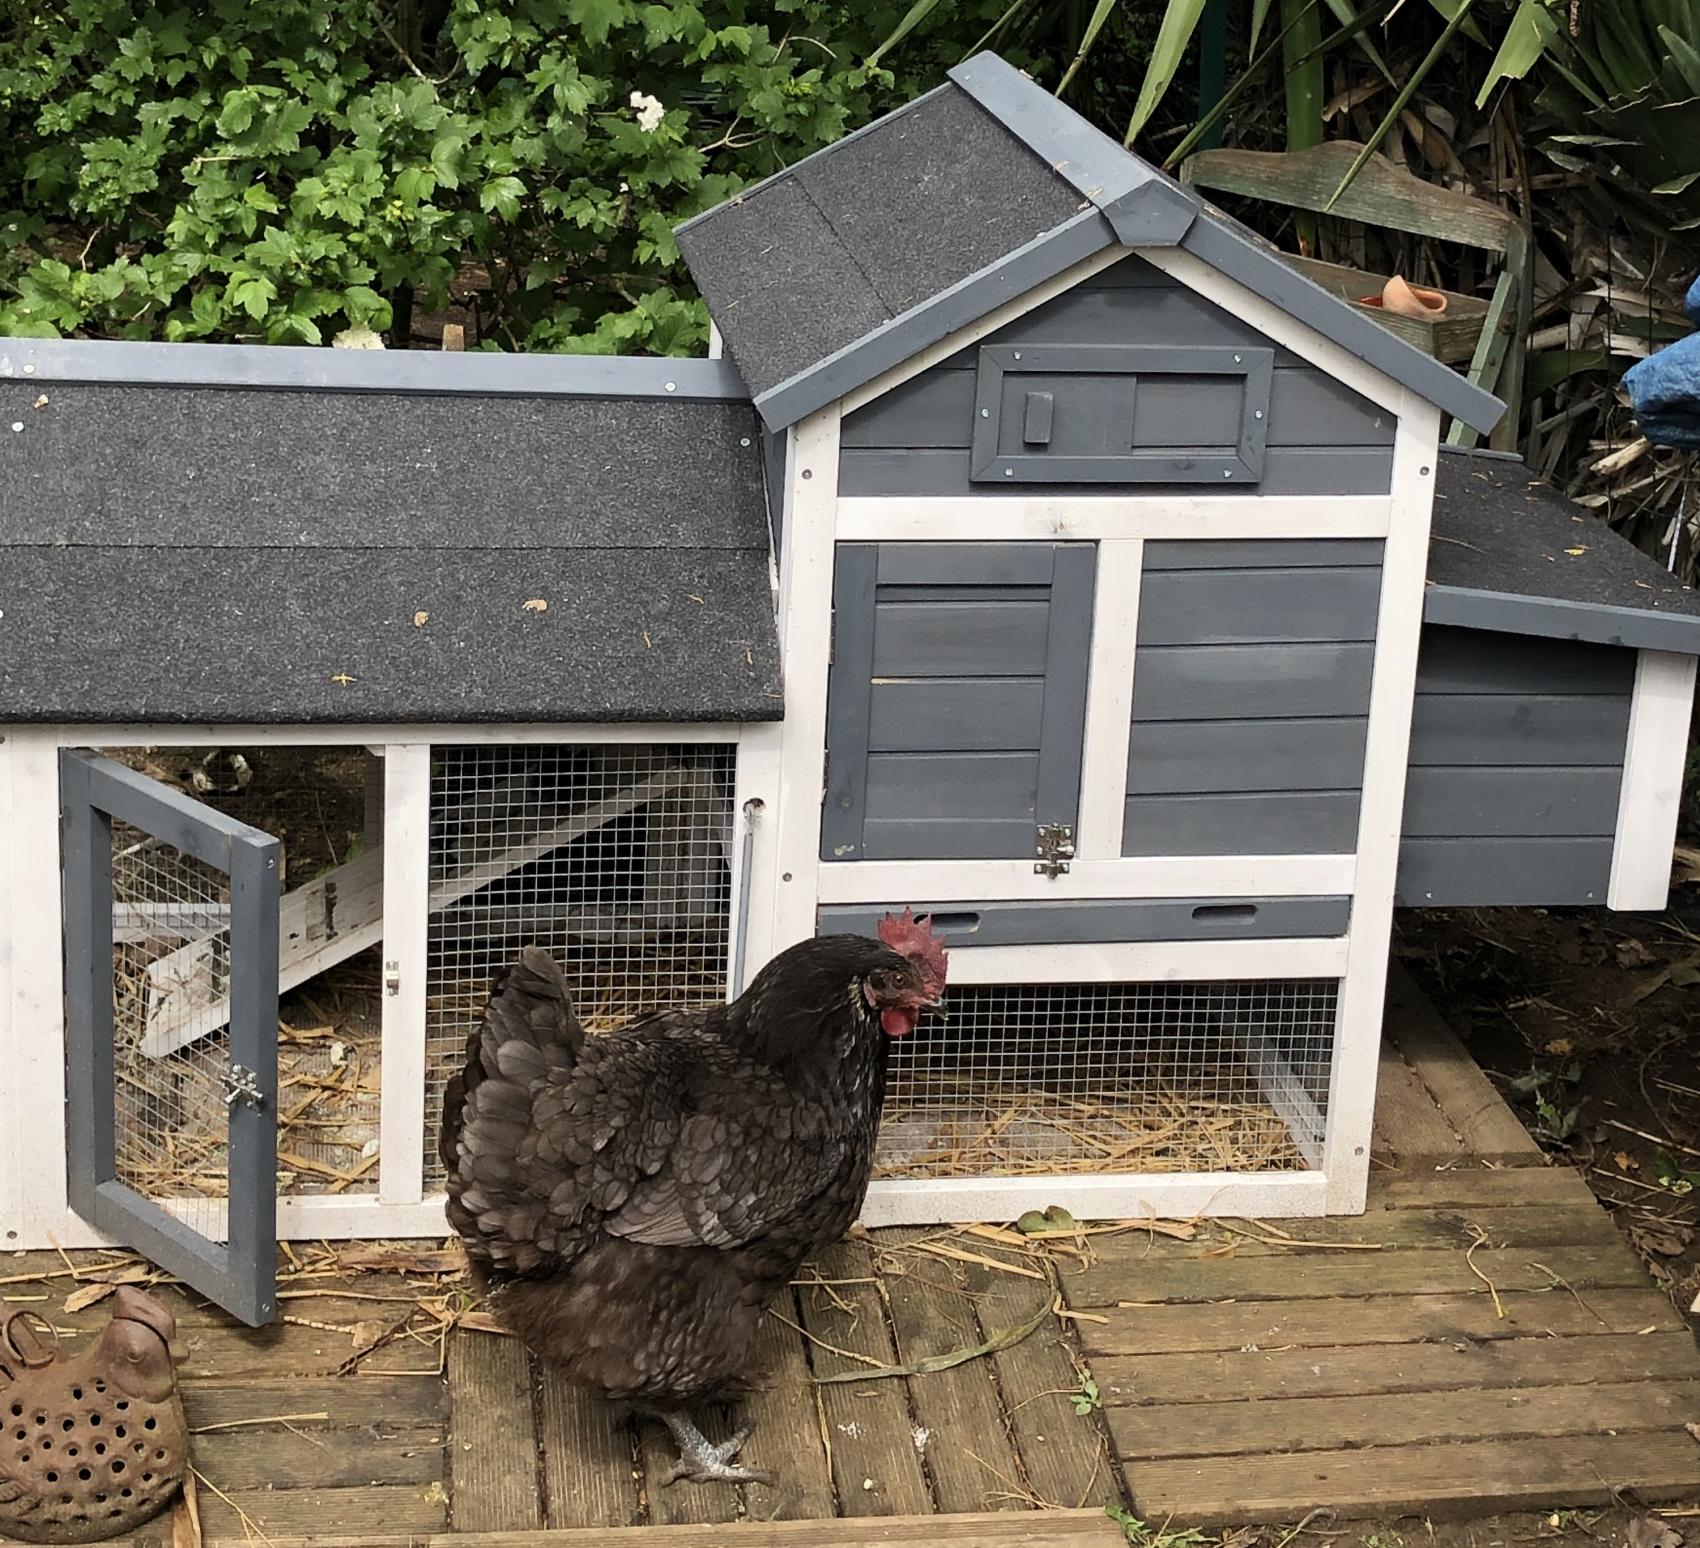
(1408, 300)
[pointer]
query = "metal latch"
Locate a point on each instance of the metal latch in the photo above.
(242, 1085)
(1054, 845)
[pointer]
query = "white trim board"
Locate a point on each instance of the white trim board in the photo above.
(805, 646)
(1011, 881)
(1357, 1038)
(12, 1090)
(36, 1066)
(1008, 518)
(404, 923)
(375, 734)
(1143, 962)
(1137, 1196)
(1109, 701)
(997, 318)
(1654, 757)
(1273, 322)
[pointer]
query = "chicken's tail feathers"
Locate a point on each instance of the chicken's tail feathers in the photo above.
(529, 1027)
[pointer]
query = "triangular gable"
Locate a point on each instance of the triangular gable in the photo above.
(902, 235)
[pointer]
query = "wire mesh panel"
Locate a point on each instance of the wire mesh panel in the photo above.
(1165, 1077)
(322, 805)
(171, 950)
(615, 859)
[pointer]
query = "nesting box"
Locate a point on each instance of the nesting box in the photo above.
(1045, 555)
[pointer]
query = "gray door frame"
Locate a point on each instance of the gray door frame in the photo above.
(240, 1274)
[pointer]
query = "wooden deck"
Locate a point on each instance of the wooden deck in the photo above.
(1481, 1338)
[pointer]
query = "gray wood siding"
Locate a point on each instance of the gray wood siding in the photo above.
(956, 700)
(1516, 762)
(1251, 697)
(1321, 437)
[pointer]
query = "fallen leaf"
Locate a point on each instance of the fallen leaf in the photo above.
(535, 605)
(1626, 1162)
(1667, 1241)
(421, 618)
(87, 1296)
(1631, 953)
(1650, 1532)
(1558, 1047)
(403, 1260)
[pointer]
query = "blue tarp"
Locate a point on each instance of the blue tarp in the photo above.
(1665, 388)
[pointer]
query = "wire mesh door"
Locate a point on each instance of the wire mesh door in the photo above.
(173, 1146)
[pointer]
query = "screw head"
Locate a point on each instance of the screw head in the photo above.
(1017, 355)
(743, 440)
(985, 413)
(29, 368)
(17, 425)
(1227, 472)
(672, 386)
(1009, 472)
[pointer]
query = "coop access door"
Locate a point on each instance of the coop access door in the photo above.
(956, 702)
(214, 881)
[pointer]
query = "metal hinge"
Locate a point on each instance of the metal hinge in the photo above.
(242, 1085)
(1053, 843)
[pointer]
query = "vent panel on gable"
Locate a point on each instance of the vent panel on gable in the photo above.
(1144, 393)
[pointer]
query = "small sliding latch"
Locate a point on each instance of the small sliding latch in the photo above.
(1054, 845)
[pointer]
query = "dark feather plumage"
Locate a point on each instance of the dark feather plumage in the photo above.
(635, 1198)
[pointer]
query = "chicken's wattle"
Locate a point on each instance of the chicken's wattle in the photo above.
(899, 1020)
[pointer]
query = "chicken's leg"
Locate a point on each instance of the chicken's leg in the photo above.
(700, 1460)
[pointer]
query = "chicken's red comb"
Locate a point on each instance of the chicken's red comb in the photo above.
(914, 938)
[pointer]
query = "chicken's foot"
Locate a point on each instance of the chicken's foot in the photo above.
(701, 1461)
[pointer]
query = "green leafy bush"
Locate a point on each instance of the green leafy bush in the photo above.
(282, 171)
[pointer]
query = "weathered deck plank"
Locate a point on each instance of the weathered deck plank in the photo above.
(1405, 1418)
(875, 1467)
(959, 1422)
(492, 1451)
(1224, 1375)
(589, 1479)
(787, 1439)
(1321, 1324)
(1490, 1131)
(1473, 1478)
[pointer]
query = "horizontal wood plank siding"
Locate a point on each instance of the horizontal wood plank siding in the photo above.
(1517, 750)
(1251, 697)
(1321, 437)
(956, 698)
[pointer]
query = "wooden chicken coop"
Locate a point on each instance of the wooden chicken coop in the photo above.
(1044, 554)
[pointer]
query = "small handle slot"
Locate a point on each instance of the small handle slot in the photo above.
(960, 921)
(1223, 913)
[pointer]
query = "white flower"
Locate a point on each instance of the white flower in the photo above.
(357, 337)
(649, 112)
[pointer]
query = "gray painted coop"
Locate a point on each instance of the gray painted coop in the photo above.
(1044, 554)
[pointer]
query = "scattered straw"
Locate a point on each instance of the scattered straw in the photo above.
(1470, 1259)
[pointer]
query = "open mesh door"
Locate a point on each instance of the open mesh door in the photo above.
(173, 1141)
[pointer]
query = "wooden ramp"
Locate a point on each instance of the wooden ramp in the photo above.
(1480, 1339)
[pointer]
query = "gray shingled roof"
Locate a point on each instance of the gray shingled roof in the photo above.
(1509, 552)
(870, 250)
(215, 533)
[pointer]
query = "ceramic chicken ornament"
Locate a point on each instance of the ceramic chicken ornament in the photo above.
(91, 1445)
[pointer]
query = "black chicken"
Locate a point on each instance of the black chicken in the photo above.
(634, 1199)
